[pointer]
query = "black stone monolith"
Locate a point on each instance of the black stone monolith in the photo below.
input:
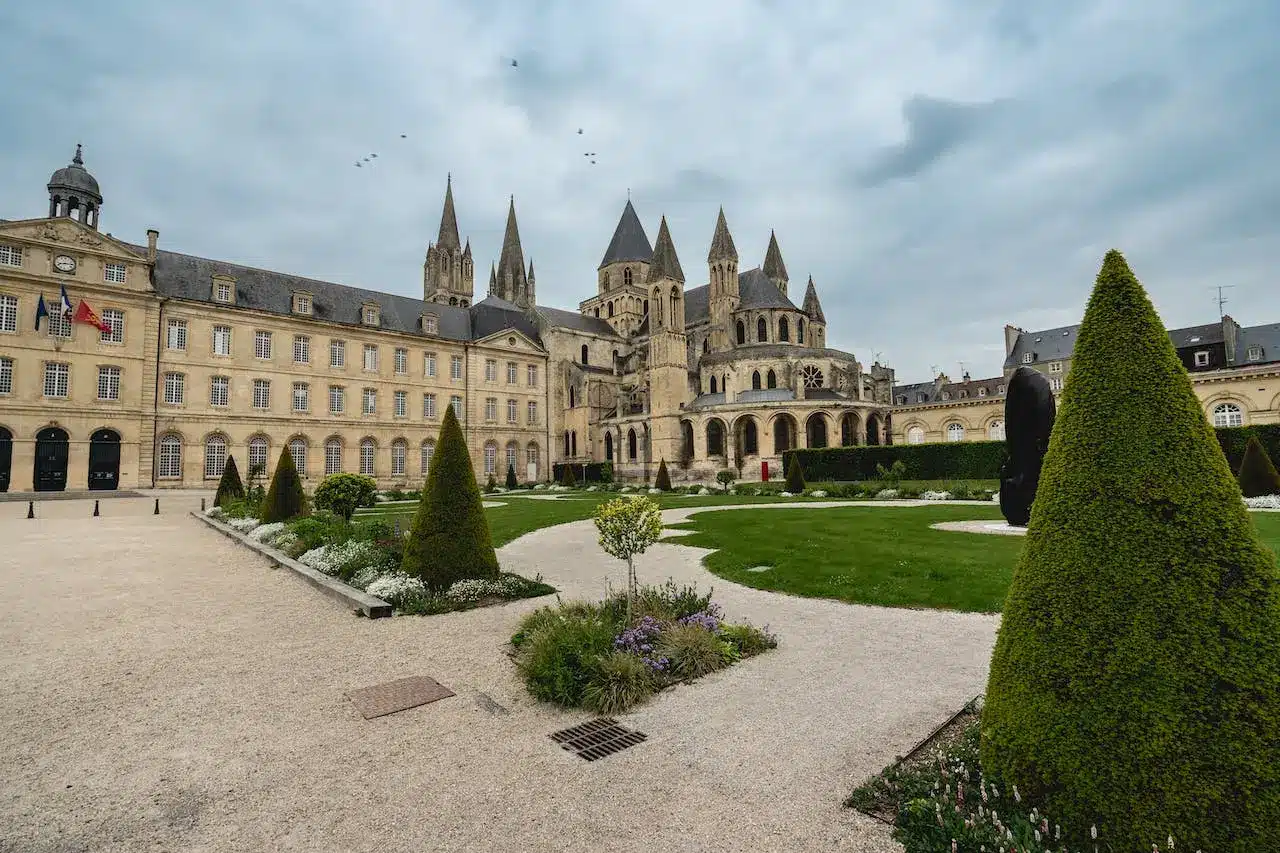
(1029, 411)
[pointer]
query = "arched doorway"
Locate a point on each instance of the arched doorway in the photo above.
(873, 429)
(816, 430)
(608, 447)
(6, 457)
(715, 437)
(848, 430)
(104, 460)
(784, 434)
(748, 436)
(52, 449)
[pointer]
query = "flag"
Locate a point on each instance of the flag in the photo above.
(85, 314)
(64, 306)
(41, 311)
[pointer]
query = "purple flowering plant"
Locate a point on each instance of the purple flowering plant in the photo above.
(642, 641)
(709, 618)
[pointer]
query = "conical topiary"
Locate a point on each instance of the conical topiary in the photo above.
(795, 475)
(568, 478)
(285, 498)
(450, 538)
(229, 487)
(1257, 475)
(512, 483)
(1135, 683)
(663, 480)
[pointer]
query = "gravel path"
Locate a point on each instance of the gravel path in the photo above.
(159, 702)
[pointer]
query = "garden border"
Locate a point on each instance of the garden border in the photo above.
(361, 602)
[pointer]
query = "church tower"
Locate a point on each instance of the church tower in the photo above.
(621, 297)
(74, 193)
(668, 353)
(774, 268)
(723, 297)
(448, 274)
(510, 280)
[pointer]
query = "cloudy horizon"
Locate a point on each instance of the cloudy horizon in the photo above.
(939, 168)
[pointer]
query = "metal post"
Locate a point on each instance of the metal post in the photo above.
(31, 509)
(202, 504)
(95, 509)
(157, 512)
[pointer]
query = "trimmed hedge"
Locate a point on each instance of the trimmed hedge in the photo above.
(1257, 475)
(1135, 682)
(589, 472)
(663, 480)
(1234, 440)
(230, 488)
(285, 499)
(795, 475)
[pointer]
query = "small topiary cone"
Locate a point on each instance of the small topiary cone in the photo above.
(1258, 476)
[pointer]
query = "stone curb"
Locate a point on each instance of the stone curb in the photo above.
(353, 598)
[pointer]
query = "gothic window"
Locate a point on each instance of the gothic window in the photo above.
(706, 345)
(584, 353)
(771, 380)
(784, 330)
(610, 310)
(608, 447)
(573, 443)
(762, 330)
(742, 333)
(750, 438)
(626, 278)
(646, 306)
(713, 385)
(755, 381)
(675, 304)
(715, 438)
(811, 375)
(631, 445)
(800, 331)
(657, 306)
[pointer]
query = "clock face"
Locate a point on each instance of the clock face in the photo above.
(64, 263)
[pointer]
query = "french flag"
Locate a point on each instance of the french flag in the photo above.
(64, 306)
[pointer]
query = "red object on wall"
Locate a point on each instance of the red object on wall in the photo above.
(764, 472)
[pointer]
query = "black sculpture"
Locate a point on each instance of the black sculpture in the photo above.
(1029, 411)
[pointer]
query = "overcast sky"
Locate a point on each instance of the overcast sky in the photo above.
(940, 167)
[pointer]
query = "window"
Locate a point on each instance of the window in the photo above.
(257, 454)
(298, 450)
(6, 375)
(10, 256)
(1255, 353)
(174, 388)
(60, 325)
(113, 273)
(946, 395)
(982, 392)
(222, 340)
(490, 370)
(332, 457)
(301, 397)
(8, 313)
(108, 383)
(169, 466)
(995, 431)
(762, 330)
(490, 457)
(585, 354)
(398, 449)
(222, 291)
(370, 357)
(337, 353)
(771, 380)
(784, 331)
(533, 412)
(219, 391)
(366, 456)
(999, 389)
(429, 364)
(531, 454)
(1202, 358)
(428, 450)
(513, 373)
(964, 393)
(456, 402)
(811, 375)
(800, 331)
(626, 277)
(430, 324)
(401, 360)
(955, 432)
(302, 303)
(742, 333)
(429, 406)
(915, 435)
(215, 456)
(1055, 367)
(512, 412)
(512, 452)
(455, 367)
(369, 401)
(114, 319)
(261, 394)
(400, 401)
(337, 399)
(1224, 414)
(262, 345)
(533, 375)
(301, 349)
(1056, 383)
(755, 380)
(1027, 357)
(177, 338)
(369, 316)
(491, 408)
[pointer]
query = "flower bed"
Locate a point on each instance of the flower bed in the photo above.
(587, 655)
(1263, 502)
(367, 556)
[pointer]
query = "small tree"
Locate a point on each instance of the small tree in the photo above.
(450, 538)
(492, 485)
(512, 482)
(795, 475)
(663, 480)
(342, 493)
(891, 475)
(285, 499)
(725, 479)
(567, 476)
(627, 528)
(229, 487)
(1257, 475)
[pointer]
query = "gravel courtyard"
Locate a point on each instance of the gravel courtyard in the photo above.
(166, 690)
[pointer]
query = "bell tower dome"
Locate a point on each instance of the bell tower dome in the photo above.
(74, 194)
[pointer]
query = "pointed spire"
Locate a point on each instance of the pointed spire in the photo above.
(493, 278)
(531, 269)
(448, 238)
(78, 159)
(664, 263)
(722, 248)
(774, 268)
(811, 305)
(511, 260)
(629, 241)
(466, 253)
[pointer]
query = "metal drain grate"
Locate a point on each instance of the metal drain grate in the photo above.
(597, 738)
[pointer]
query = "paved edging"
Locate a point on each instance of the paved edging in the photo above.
(362, 602)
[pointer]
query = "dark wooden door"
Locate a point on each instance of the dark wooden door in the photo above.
(51, 460)
(6, 457)
(104, 460)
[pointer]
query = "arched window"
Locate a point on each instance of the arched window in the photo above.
(715, 438)
(675, 305)
(572, 397)
(713, 385)
(771, 381)
(1227, 415)
(626, 280)
(597, 311)
(584, 353)
(257, 454)
(646, 307)
(750, 438)
(800, 331)
(513, 451)
(657, 306)
(333, 456)
(215, 456)
(755, 381)
(566, 443)
(995, 431)
(399, 449)
(531, 453)
(169, 465)
(490, 457)
(742, 333)
(631, 445)
(608, 447)
(783, 435)
(762, 330)
(955, 432)
(573, 443)
(784, 330)
(367, 456)
(706, 345)
(298, 450)
(428, 450)
(915, 435)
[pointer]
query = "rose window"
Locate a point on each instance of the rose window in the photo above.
(811, 375)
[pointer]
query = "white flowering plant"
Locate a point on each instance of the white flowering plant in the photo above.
(474, 589)
(242, 525)
(886, 494)
(215, 512)
(265, 533)
(395, 588)
(932, 495)
(817, 493)
(1263, 502)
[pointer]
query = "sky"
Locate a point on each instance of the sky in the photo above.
(940, 167)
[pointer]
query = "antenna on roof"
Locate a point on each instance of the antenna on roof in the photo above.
(962, 368)
(1222, 300)
(933, 368)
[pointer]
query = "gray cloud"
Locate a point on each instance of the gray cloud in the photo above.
(935, 127)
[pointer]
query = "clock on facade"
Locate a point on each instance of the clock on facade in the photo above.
(64, 263)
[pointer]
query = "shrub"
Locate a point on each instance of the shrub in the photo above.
(512, 482)
(342, 493)
(568, 477)
(491, 486)
(285, 499)
(229, 487)
(692, 650)
(320, 528)
(1135, 682)
(450, 538)
(606, 472)
(663, 480)
(1257, 475)
(748, 639)
(556, 659)
(615, 682)
(795, 476)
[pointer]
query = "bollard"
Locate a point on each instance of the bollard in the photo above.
(95, 509)
(202, 504)
(31, 509)
(157, 512)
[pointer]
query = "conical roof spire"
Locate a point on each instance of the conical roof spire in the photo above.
(512, 257)
(773, 266)
(448, 239)
(664, 263)
(531, 269)
(466, 252)
(811, 305)
(629, 241)
(493, 278)
(722, 248)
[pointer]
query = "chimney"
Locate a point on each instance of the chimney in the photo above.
(152, 236)
(1010, 339)
(1230, 337)
(966, 376)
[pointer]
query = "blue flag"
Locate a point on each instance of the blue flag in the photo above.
(41, 311)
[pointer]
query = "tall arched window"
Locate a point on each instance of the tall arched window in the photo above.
(995, 431)
(399, 449)
(646, 307)
(626, 280)
(531, 454)
(955, 432)
(490, 457)
(715, 438)
(610, 309)
(573, 442)
(1227, 415)
(762, 330)
(771, 380)
(675, 305)
(513, 450)
(566, 443)
(800, 331)
(657, 306)
(608, 447)
(915, 435)
(572, 397)
(215, 456)
(755, 380)
(428, 450)
(631, 445)
(742, 333)
(784, 330)
(706, 345)
(333, 456)
(368, 453)
(169, 464)
(258, 454)
(298, 450)
(584, 353)
(713, 385)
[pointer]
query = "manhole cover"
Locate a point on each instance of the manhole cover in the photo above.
(399, 695)
(597, 738)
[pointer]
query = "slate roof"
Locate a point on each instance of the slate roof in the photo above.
(773, 265)
(1267, 337)
(665, 263)
(1193, 335)
(755, 290)
(1057, 344)
(578, 322)
(766, 395)
(823, 394)
(703, 400)
(629, 241)
(722, 247)
(787, 351)
(492, 315)
(812, 306)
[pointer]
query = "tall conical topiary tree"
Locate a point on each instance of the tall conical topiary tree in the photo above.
(795, 475)
(1135, 682)
(230, 488)
(512, 482)
(663, 480)
(450, 538)
(1258, 474)
(285, 499)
